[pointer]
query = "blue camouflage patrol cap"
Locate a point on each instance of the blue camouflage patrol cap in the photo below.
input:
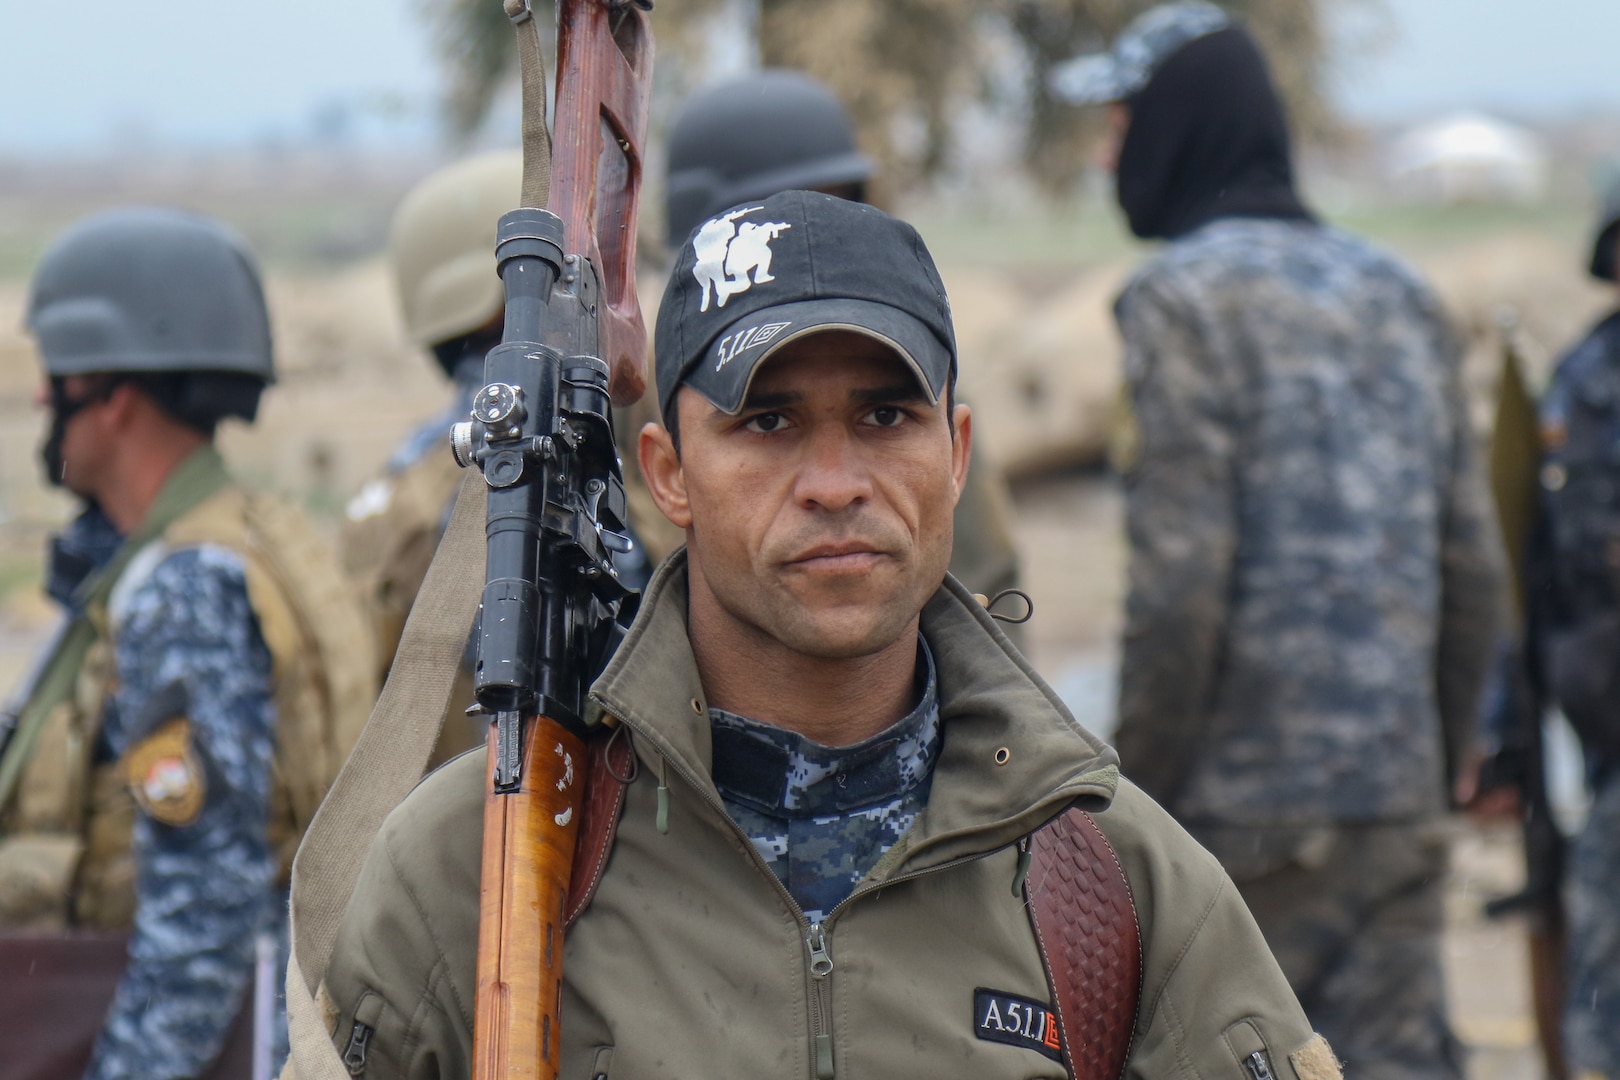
(1140, 50)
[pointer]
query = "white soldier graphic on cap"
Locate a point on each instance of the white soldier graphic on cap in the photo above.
(728, 253)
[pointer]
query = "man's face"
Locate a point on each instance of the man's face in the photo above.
(1113, 138)
(76, 446)
(820, 515)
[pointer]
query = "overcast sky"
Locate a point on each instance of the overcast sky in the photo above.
(205, 72)
(1525, 56)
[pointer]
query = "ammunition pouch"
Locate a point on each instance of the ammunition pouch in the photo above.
(36, 875)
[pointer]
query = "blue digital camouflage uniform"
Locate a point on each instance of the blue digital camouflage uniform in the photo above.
(1575, 629)
(821, 817)
(187, 644)
(1313, 593)
(1592, 900)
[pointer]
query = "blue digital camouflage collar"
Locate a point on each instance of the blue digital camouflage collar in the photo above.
(780, 772)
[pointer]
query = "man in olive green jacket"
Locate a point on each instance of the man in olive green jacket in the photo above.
(838, 758)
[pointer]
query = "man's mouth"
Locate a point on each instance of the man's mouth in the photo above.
(849, 556)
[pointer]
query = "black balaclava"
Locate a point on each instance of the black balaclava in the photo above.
(63, 409)
(1207, 140)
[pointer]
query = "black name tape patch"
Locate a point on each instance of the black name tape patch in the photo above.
(1016, 1021)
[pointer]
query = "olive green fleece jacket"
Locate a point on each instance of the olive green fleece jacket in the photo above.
(693, 960)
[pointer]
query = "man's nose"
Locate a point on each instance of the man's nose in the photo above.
(834, 474)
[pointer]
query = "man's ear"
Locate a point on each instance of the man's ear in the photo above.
(961, 447)
(666, 479)
(123, 402)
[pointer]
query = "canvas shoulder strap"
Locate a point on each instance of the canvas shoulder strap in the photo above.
(1085, 923)
(384, 766)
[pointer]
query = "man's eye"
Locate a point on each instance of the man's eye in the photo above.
(765, 423)
(886, 415)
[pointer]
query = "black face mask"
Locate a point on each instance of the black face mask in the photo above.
(63, 409)
(1207, 140)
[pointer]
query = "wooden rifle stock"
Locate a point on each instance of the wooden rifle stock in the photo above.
(529, 841)
(604, 81)
(531, 825)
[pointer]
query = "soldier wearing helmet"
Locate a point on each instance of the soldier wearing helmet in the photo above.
(440, 248)
(745, 140)
(160, 769)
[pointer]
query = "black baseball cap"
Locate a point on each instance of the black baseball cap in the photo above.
(767, 273)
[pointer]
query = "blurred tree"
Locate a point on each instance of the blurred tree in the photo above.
(477, 48)
(478, 52)
(901, 67)
(904, 67)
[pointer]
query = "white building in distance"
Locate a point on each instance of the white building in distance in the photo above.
(1469, 157)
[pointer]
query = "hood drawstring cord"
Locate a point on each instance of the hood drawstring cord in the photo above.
(662, 821)
(1024, 856)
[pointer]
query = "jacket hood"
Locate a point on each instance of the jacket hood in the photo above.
(1207, 139)
(990, 701)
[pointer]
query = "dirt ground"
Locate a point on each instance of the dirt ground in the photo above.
(1040, 362)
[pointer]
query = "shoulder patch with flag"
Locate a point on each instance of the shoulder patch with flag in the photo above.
(165, 774)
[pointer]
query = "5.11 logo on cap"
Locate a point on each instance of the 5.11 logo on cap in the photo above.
(1016, 1021)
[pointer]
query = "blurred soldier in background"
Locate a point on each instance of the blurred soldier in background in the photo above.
(441, 248)
(1574, 633)
(214, 669)
(748, 139)
(1315, 572)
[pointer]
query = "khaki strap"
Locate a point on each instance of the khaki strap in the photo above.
(385, 765)
(536, 135)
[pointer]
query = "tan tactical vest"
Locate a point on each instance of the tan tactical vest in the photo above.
(389, 537)
(65, 856)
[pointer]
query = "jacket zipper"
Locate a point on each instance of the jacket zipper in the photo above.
(820, 958)
(815, 937)
(821, 961)
(821, 966)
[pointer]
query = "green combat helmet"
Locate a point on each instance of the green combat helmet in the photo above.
(167, 298)
(753, 137)
(150, 290)
(441, 247)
